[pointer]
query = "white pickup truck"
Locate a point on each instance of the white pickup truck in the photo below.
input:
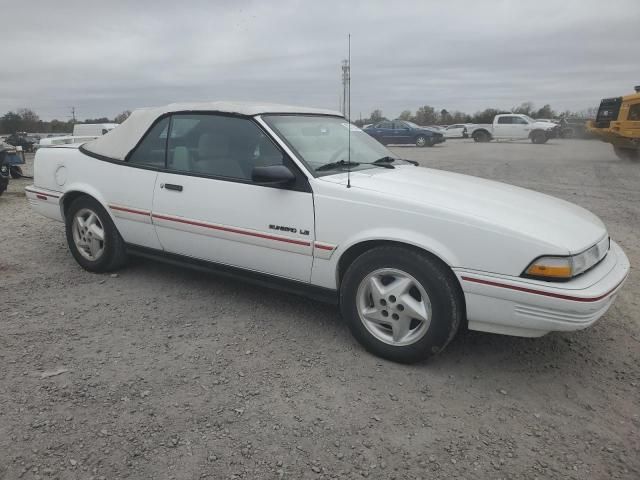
(512, 126)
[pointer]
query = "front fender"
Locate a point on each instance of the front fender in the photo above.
(326, 272)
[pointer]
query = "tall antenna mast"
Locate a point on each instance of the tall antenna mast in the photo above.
(348, 113)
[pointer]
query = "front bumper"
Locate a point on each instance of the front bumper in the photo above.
(532, 308)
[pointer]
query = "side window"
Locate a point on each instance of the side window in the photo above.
(151, 150)
(519, 121)
(505, 120)
(219, 145)
(399, 125)
(634, 113)
(384, 125)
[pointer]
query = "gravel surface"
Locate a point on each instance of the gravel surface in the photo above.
(161, 372)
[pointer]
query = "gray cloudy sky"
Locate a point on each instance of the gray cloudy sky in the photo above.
(106, 56)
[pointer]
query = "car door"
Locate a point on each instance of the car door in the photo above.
(503, 127)
(129, 198)
(207, 207)
(520, 128)
(401, 133)
(384, 131)
(454, 131)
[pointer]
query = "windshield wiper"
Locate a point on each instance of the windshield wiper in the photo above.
(344, 163)
(388, 159)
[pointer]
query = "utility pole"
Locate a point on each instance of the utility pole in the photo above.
(73, 114)
(346, 93)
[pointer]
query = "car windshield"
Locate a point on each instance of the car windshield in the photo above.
(321, 140)
(412, 125)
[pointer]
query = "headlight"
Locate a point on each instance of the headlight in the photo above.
(4, 169)
(565, 268)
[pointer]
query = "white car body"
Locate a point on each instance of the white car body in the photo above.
(486, 232)
(512, 126)
(458, 130)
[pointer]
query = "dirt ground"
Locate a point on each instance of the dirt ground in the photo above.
(170, 373)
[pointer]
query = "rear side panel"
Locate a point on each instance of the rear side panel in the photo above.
(126, 192)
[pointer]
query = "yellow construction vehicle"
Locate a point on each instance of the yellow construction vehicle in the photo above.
(618, 123)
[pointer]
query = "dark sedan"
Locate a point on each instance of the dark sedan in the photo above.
(20, 140)
(403, 132)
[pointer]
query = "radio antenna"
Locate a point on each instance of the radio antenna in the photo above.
(348, 112)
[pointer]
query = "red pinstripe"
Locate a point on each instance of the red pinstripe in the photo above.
(129, 210)
(540, 292)
(232, 230)
(324, 247)
(40, 195)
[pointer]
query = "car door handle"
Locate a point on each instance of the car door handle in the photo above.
(172, 186)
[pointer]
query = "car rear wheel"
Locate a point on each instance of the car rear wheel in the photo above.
(481, 137)
(627, 153)
(92, 237)
(16, 172)
(400, 304)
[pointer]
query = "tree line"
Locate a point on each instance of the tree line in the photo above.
(26, 120)
(428, 115)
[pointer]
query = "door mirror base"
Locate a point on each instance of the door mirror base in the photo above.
(272, 175)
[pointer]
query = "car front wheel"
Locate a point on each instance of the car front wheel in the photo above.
(92, 237)
(539, 137)
(400, 304)
(421, 141)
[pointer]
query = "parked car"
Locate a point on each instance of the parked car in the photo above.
(92, 129)
(399, 132)
(458, 130)
(4, 176)
(298, 198)
(23, 140)
(513, 126)
(13, 158)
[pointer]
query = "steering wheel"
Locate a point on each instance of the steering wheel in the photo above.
(335, 156)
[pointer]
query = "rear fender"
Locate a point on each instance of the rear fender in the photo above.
(76, 189)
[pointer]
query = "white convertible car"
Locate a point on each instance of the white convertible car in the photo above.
(267, 192)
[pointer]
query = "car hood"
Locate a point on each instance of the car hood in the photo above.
(497, 206)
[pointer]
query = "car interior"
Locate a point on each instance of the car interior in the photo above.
(213, 145)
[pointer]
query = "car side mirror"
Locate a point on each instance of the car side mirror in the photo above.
(272, 175)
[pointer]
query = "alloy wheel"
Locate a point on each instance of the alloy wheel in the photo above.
(88, 234)
(394, 307)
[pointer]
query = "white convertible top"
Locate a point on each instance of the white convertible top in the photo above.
(121, 140)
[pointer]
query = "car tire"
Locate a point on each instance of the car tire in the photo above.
(421, 141)
(86, 221)
(421, 298)
(627, 153)
(481, 137)
(539, 137)
(16, 172)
